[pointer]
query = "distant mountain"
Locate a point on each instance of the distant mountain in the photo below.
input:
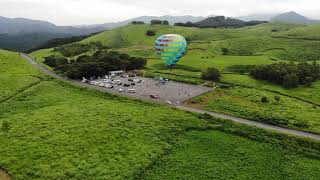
(225, 22)
(293, 17)
(20, 34)
(14, 26)
(256, 17)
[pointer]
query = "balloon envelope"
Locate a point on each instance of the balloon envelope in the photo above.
(171, 47)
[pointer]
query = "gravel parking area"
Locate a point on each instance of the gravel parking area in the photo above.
(169, 91)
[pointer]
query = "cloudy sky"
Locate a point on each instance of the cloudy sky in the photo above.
(76, 12)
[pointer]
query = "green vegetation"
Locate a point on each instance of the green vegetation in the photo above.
(57, 131)
(211, 74)
(217, 155)
(15, 75)
(289, 75)
(54, 130)
(99, 64)
(58, 42)
(75, 49)
(246, 48)
(249, 103)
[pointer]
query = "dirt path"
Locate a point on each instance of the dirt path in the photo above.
(4, 175)
(181, 107)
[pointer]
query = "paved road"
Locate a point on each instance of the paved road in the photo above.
(181, 107)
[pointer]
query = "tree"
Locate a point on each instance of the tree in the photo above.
(264, 99)
(165, 22)
(225, 51)
(277, 98)
(50, 61)
(137, 22)
(290, 81)
(154, 22)
(212, 74)
(151, 33)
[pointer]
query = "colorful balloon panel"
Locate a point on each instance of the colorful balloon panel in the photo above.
(171, 48)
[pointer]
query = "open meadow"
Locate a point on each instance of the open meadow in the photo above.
(53, 130)
(238, 93)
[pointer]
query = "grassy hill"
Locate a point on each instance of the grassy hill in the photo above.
(257, 40)
(298, 108)
(59, 131)
(206, 155)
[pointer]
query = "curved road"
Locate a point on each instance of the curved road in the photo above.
(182, 107)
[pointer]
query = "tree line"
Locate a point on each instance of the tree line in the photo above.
(289, 75)
(220, 21)
(99, 64)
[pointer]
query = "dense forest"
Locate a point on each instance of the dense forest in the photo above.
(220, 21)
(59, 42)
(96, 65)
(289, 75)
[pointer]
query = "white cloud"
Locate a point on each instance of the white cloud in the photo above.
(66, 12)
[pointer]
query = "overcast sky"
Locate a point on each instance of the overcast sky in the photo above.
(76, 12)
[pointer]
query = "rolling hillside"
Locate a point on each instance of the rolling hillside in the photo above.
(257, 40)
(58, 131)
(239, 94)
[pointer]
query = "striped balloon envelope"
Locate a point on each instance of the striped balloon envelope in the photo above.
(171, 48)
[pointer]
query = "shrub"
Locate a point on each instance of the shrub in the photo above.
(225, 51)
(6, 126)
(277, 98)
(151, 33)
(212, 74)
(301, 124)
(137, 22)
(54, 61)
(264, 99)
(165, 22)
(153, 22)
(290, 81)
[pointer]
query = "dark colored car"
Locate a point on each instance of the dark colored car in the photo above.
(154, 96)
(126, 85)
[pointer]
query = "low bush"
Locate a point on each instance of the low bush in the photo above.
(212, 74)
(264, 99)
(151, 33)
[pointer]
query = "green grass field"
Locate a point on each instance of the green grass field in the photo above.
(217, 155)
(248, 46)
(58, 131)
(15, 75)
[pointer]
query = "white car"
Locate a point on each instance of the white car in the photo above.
(131, 91)
(120, 90)
(93, 82)
(101, 85)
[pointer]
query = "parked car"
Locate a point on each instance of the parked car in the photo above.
(120, 90)
(131, 91)
(154, 96)
(130, 80)
(133, 84)
(101, 85)
(126, 85)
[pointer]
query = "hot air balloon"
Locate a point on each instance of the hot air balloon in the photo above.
(171, 48)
